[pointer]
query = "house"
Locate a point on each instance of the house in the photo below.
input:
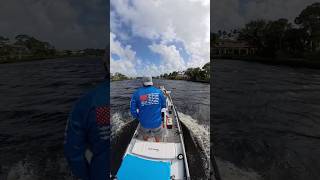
(229, 48)
(181, 75)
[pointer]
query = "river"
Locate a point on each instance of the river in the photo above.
(36, 98)
(266, 119)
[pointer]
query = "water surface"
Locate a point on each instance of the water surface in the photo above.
(267, 118)
(36, 98)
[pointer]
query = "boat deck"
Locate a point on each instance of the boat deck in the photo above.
(166, 156)
(169, 135)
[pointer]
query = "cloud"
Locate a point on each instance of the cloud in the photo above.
(230, 14)
(64, 23)
(127, 58)
(166, 22)
(171, 58)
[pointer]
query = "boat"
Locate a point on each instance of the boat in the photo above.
(151, 160)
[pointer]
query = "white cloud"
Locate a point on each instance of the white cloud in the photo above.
(127, 58)
(170, 56)
(167, 21)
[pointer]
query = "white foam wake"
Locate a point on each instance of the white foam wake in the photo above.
(199, 133)
(117, 122)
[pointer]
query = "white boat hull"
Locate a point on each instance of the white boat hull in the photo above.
(169, 154)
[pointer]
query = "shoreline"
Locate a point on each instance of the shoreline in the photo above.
(199, 81)
(39, 58)
(205, 82)
(291, 62)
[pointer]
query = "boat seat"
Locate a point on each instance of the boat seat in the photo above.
(136, 168)
(156, 150)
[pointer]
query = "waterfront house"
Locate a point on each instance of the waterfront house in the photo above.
(232, 48)
(181, 75)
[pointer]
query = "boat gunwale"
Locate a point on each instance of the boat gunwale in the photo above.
(181, 139)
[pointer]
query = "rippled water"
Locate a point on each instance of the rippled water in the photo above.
(193, 104)
(189, 97)
(267, 118)
(36, 98)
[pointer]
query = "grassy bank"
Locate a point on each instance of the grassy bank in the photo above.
(294, 62)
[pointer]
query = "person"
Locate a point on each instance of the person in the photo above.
(88, 128)
(146, 105)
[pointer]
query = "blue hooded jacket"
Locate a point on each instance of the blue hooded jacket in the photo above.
(148, 101)
(88, 127)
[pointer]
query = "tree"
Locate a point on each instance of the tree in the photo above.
(309, 20)
(35, 46)
(219, 34)
(3, 41)
(224, 33)
(193, 74)
(4, 47)
(189, 73)
(118, 76)
(166, 75)
(21, 39)
(213, 38)
(295, 41)
(206, 70)
(254, 33)
(274, 33)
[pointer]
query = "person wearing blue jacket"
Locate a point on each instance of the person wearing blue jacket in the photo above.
(88, 128)
(145, 106)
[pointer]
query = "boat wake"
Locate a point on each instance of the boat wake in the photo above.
(117, 122)
(200, 137)
(201, 132)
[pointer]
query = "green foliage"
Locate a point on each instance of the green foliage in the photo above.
(191, 74)
(118, 77)
(25, 48)
(253, 33)
(3, 41)
(309, 21)
(295, 42)
(214, 38)
(309, 18)
(34, 46)
(272, 38)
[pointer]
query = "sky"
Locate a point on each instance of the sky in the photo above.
(66, 24)
(152, 37)
(232, 14)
